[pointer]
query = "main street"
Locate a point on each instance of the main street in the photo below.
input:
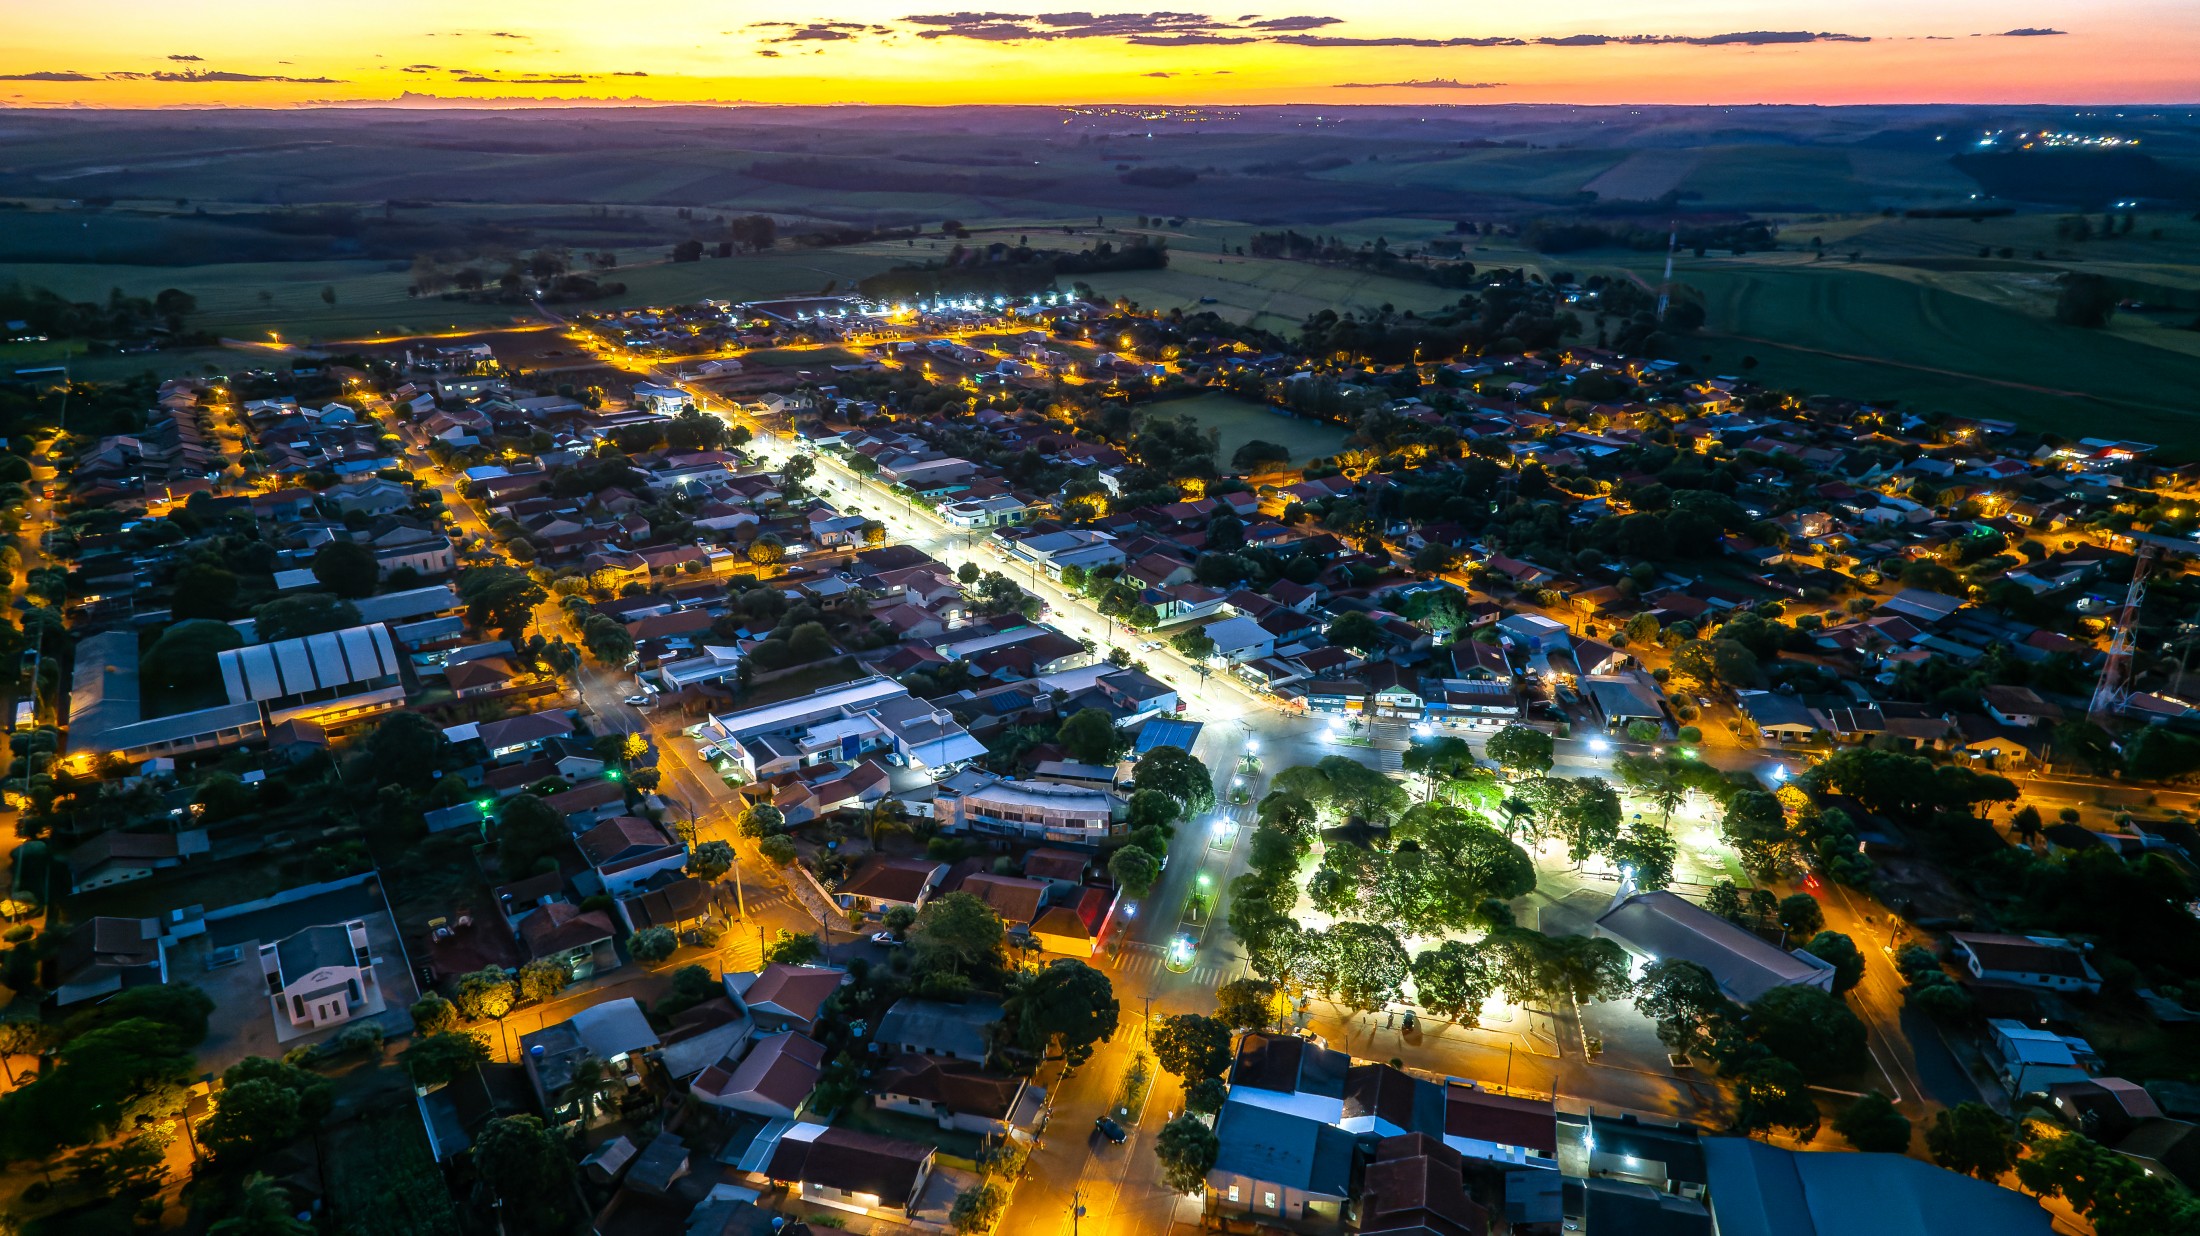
(1533, 1052)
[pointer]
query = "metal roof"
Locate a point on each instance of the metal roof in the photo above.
(290, 667)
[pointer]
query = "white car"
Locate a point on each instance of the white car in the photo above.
(636, 701)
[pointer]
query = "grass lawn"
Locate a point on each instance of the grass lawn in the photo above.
(803, 682)
(1241, 421)
(861, 1115)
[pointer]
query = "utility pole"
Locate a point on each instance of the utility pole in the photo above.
(1149, 1012)
(1076, 1209)
(1665, 289)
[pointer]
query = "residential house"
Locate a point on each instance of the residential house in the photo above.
(2048, 962)
(772, 1080)
(884, 883)
(866, 1173)
(959, 1031)
(627, 850)
(959, 1095)
(784, 997)
(103, 955)
(615, 1034)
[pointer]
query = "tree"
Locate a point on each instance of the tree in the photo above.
(308, 613)
(607, 639)
(1756, 825)
(1801, 914)
(542, 979)
(501, 598)
(652, 944)
(262, 1208)
(1649, 852)
(1725, 900)
(777, 850)
(1972, 1138)
(186, 657)
(263, 1104)
(1090, 736)
(1070, 1005)
(485, 994)
(711, 860)
(2113, 1191)
(404, 749)
(1179, 774)
(958, 932)
(1186, 1148)
(1246, 1003)
(1841, 952)
(1193, 645)
(1206, 1096)
(1191, 1046)
(203, 590)
(977, 1207)
(2085, 299)
(767, 551)
(1521, 749)
(1685, 1001)
(347, 568)
(1770, 1093)
(1134, 870)
(792, 948)
(1552, 970)
(1357, 631)
(1359, 965)
(1453, 980)
(436, 1058)
(529, 833)
(1588, 815)
(1809, 1029)
(760, 820)
(1872, 1124)
(528, 1170)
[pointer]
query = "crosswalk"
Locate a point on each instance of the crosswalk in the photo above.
(1139, 960)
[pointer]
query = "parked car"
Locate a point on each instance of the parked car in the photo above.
(1110, 1130)
(886, 938)
(636, 701)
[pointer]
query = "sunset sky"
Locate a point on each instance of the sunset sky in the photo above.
(158, 53)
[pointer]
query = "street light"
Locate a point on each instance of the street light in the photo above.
(1598, 746)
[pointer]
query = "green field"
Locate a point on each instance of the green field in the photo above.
(1240, 421)
(1274, 295)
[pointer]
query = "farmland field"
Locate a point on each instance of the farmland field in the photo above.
(1273, 295)
(1241, 421)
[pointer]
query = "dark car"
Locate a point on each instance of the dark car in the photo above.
(1110, 1130)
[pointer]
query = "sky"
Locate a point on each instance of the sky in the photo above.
(261, 53)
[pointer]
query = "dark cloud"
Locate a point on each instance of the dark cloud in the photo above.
(1174, 29)
(1289, 23)
(476, 77)
(1345, 40)
(505, 34)
(1157, 74)
(629, 73)
(766, 51)
(1432, 83)
(190, 58)
(220, 75)
(2030, 32)
(815, 34)
(50, 75)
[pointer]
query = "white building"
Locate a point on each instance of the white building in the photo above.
(322, 976)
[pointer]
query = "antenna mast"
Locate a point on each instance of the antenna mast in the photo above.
(2110, 694)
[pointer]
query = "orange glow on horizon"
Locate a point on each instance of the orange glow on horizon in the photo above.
(252, 53)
